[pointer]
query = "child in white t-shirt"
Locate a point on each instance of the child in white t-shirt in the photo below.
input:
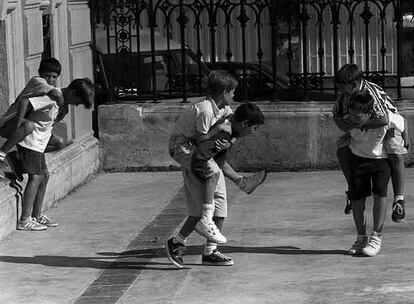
(370, 171)
(31, 149)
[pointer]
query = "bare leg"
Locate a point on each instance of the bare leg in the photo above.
(188, 226)
(344, 155)
(397, 173)
(38, 202)
(229, 172)
(358, 211)
(17, 135)
(379, 211)
(29, 195)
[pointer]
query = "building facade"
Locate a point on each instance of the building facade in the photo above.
(30, 29)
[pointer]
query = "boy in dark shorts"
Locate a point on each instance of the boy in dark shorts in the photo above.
(349, 80)
(43, 112)
(369, 172)
(207, 160)
(14, 125)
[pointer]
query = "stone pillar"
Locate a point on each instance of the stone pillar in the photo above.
(80, 61)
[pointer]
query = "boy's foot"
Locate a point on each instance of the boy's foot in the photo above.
(216, 258)
(15, 165)
(373, 246)
(398, 211)
(44, 220)
(249, 183)
(175, 252)
(210, 231)
(348, 206)
(30, 225)
(359, 244)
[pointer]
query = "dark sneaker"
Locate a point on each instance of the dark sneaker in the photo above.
(359, 244)
(348, 206)
(249, 183)
(175, 252)
(217, 259)
(398, 211)
(15, 165)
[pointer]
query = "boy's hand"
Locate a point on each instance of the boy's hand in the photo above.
(225, 127)
(57, 96)
(222, 144)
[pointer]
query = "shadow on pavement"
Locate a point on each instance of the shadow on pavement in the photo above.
(84, 262)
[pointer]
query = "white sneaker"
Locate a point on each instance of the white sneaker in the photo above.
(373, 246)
(359, 244)
(30, 225)
(210, 231)
(249, 183)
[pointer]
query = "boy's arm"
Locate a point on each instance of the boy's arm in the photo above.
(223, 127)
(57, 96)
(405, 137)
(377, 122)
(344, 124)
(22, 110)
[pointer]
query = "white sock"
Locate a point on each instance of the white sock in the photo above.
(398, 197)
(208, 211)
(179, 239)
(2, 156)
(209, 248)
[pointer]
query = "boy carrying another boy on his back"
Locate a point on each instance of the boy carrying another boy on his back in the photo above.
(192, 126)
(42, 113)
(370, 171)
(207, 160)
(14, 125)
(349, 80)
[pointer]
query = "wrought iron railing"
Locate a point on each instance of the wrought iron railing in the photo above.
(155, 49)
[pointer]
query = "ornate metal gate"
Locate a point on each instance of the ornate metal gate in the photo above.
(301, 42)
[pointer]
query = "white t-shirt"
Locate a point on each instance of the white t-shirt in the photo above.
(199, 118)
(43, 115)
(369, 143)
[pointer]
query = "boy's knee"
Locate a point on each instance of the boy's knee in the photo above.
(28, 126)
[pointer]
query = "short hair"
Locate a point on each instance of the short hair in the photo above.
(250, 112)
(362, 102)
(50, 64)
(84, 88)
(347, 74)
(219, 81)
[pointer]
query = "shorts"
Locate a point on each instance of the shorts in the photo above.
(33, 162)
(368, 176)
(204, 168)
(181, 150)
(394, 143)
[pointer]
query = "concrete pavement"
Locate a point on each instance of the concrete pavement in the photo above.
(288, 240)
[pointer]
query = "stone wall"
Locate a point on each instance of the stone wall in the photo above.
(296, 136)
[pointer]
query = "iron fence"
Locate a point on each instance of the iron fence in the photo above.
(278, 49)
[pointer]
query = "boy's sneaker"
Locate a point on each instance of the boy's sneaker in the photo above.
(44, 220)
(210, 231)
(398, 211)
(359, 244)
(249, 183)
(15, 165)
(175, 252)
(348, 206)
(30, 225)
(216, 258)
(373, 246)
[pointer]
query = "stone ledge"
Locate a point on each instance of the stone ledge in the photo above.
(296, 136)
(68, 168)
